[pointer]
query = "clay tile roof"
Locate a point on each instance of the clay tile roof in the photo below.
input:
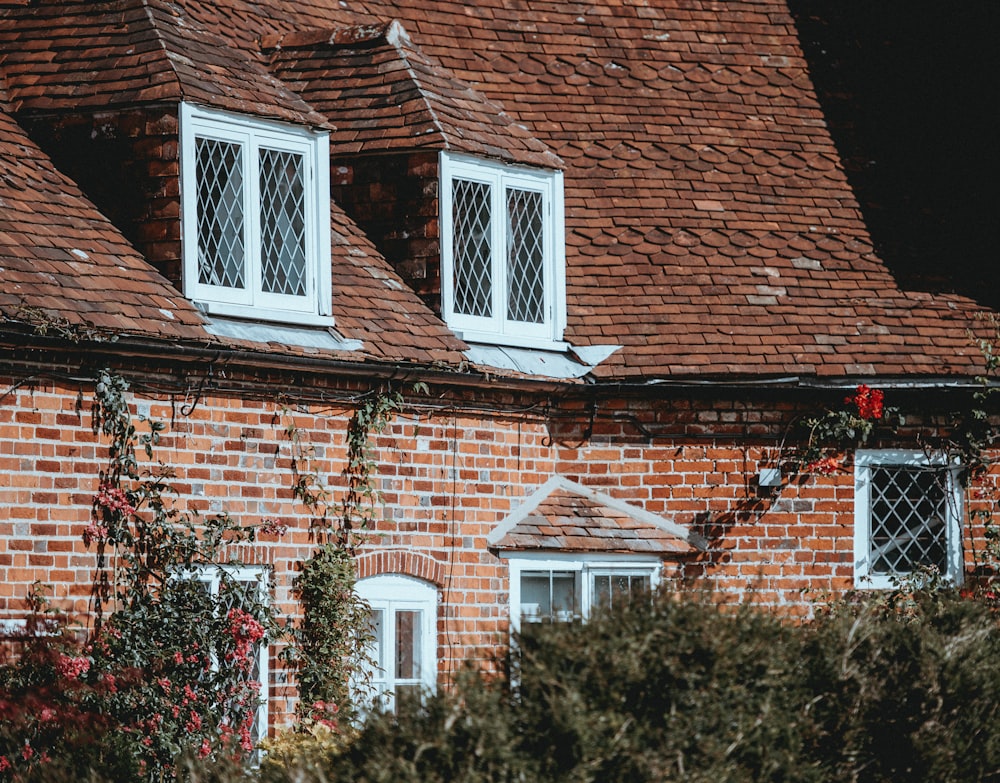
(569, 517)
(73, 55)
(63, 267)
(382, 93)
(372, 304)
(65, 270)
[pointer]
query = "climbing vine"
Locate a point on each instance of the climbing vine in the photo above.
(165, 669)
(331, 642)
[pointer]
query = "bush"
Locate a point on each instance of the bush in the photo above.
(686, 690)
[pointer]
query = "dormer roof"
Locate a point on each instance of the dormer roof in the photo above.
(382, 92)
(565, 516)
(77, 56)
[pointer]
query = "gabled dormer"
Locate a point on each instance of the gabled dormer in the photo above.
(464, 202)
(204, 160)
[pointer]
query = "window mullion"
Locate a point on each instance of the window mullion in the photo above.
(501, 252)
(253, 219)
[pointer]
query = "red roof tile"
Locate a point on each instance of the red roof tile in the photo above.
(383, 93)
(66, 55)
(64, 267)
(711, 230)
(569, 517)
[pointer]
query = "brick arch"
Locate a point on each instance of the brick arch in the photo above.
(401, 561)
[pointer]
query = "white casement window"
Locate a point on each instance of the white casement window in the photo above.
(502, 252)
(255, 203)
(252, 581)
(563, 588)
(404, 637)
(907, 517)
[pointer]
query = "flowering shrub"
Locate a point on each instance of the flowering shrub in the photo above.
(831, 434)
(163, 671)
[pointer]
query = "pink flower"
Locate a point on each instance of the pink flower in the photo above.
(273, 527)
(4, 764)
(194, 723)
(72, 668)
(94, 532)
(114, 499)
(205, 749)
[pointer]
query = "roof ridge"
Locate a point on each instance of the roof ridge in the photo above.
(161, 42)
(395, 33)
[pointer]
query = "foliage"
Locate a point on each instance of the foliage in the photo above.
(875, 690)
(837, 430)
(163, 670)
(330, 644)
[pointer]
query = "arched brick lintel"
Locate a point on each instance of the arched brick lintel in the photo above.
(401, 561)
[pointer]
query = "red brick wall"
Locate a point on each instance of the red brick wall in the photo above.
(448, 479)
(394, 199)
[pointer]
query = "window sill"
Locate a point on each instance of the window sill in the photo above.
(512, 341)
(289, 317)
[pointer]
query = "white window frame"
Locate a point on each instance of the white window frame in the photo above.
(864, 460)
(253, 302)
(587, 566)
(390, 593)
(211, 577)
(498, 329)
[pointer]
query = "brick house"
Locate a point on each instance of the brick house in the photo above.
(260, 213)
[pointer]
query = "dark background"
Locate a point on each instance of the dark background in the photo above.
(911, 93)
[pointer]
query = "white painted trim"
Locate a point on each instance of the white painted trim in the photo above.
(392, 592)
(866, 458)
(496, 329)
(585, 565)
(252, 134)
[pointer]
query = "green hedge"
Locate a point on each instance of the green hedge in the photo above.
(686, 690)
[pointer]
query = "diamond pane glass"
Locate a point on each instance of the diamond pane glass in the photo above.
(282, 223)
(526, 286)
(219, 171)
(473, 283)
(908, 519)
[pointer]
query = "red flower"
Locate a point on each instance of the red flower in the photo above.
(72, 668)
(824, 466)
(868, 401)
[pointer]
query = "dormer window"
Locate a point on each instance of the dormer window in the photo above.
(503, 255)
(255, 196)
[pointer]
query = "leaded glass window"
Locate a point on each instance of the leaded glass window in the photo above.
(907, 517)
(221, 260)
(471, 204)
(502, 254)
(253, 194)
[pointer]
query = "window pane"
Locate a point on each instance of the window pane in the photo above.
(377, 629)
(407, 644)
(535, 600)
(525, 293)
(473, 284)
(219, 171)
(602, 592)
(908, 519)
(282, 223)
